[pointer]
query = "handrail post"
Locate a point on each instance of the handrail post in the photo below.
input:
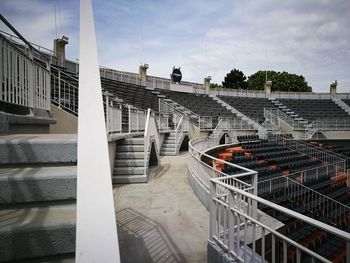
(212, 210)
(129, 113)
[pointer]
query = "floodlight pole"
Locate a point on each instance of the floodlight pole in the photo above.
(96, 232)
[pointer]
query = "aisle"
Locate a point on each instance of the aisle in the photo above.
(162, 221)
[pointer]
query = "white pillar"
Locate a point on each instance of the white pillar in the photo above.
(96, 231)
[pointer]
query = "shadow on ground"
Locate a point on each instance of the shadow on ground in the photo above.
(143, 240)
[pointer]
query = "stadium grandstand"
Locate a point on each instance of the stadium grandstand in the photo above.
(267, 171)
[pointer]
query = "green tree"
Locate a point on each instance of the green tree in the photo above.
(215, 86)
(281, 81)
(235, 79)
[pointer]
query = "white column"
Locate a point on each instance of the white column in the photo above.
(96, 233)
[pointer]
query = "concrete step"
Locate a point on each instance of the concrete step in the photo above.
(129, 155)
(129, 163)
(130, 148)
(29, 231)
(37, 184)
(33, 149)
(173, 146)
(168, 143)
(128, 170)
(132, 141)
(168, 153)
(126, 179)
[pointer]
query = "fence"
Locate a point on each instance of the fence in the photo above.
(63, 93)
(307, 198)
(23, 81)
(320, 154)
(151, 134)
(234, 225)
(137, 119)
(237, 232)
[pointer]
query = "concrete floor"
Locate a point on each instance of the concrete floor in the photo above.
(163, 220)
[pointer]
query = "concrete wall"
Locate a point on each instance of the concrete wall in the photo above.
(337, 134)
(66, 123)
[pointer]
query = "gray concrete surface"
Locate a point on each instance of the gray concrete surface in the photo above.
(33, 184)
(36, 230)
(32, 148)
(162, 221)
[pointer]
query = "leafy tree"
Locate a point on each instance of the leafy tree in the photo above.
(235, 79)
(281, 81)
(215, 86)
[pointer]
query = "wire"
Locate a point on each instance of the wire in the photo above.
(55, 2)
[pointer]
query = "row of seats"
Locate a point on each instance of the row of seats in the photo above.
(251, 107)
(315, 109)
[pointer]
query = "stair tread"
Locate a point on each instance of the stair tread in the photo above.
(34, 216)
(37, 172)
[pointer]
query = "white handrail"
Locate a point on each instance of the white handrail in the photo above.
(147, 140)
(24, 82)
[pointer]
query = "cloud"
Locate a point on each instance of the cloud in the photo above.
(205, 37)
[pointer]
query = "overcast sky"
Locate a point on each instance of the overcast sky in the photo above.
(204, 38)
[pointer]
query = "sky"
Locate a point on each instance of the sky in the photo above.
(204, 38)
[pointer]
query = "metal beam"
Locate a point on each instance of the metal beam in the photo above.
(96, 234)
(14, 30)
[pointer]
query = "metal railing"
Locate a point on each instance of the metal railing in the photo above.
(113, 116)
(63, 93)
(275, 115)
(333, 124)
(234, 225)
(306, 198)
(169, 117)
(203, 171)
(151, 135)
(179, 130)
(23, 81)
(320, 154)
(137, 119)
(237, 232)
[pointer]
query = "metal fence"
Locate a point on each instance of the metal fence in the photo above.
(23, 81)
(137, 119)
(317, 153)
(234, 224)
(238, 233)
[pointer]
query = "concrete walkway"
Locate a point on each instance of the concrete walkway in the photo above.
(162, 221)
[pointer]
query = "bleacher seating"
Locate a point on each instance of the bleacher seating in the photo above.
(136, 95)
(200, 104)
(315, 109)
(347, 101)
(251, 107)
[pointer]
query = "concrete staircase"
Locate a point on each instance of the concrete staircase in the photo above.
(286, 110)
(171, 144)
(129, 165)
(38, 192)
(236, 112)
(342, 105)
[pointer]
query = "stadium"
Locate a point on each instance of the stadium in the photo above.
(103, 165)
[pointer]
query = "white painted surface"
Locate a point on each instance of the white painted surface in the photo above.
(181, 88)
(96, 236)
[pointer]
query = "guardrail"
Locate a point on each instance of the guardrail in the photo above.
(137, 119)
(151, 134)
(234, 225)
(169, 117)
(237, 232)
(23, 81)
(64, 94)
(307, 198)
(325, 156)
